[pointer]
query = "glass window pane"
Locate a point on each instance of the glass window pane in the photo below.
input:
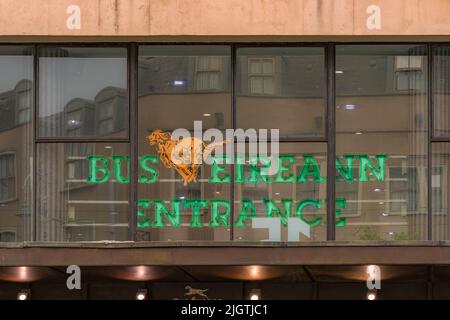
(168, 189)
(86, 80)
(381, 141)
(82, 195)
(16, 101)
(282, 88)
(176, 87)
(441, 91)
(440, 190)
(304, 197)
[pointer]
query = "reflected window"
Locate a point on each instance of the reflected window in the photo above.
(261, 76)
(282, 88)
(82, 191)
(7, 236)
(441, 91)
(209, 73)
(440, 190)
(181, 84)
(381, 119)
(7, 176)
(83, 92)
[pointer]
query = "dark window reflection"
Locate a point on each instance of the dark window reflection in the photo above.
(381, 109)
(441, 91)
(72, 208)
(282, 88)
(181, 84)
(16, 102)
(83, 92)
(440, 183)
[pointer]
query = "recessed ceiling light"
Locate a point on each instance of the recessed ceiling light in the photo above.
(23, 294)
(255, 294)
(141, 294)
(376, 189)
(277, 193)
(371, 295)
(207, 114)
(358, 133)
(384, 214)
(339, 72)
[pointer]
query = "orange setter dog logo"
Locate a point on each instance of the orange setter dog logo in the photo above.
(185, 155)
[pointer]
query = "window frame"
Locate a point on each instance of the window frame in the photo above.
(89, 138)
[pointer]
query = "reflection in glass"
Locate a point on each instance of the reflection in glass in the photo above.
(83, 92)
(441, 90)
(282, 88)
(306, 199)
(382, 110)
(16, 101)
(177, 86)
(71, 206)
(181, 84)
(440, 190)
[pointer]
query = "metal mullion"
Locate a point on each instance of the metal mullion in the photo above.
(331, 146)
(233, 90)
(80, 140)
(133, 135)
(430, 137)
(437, 140)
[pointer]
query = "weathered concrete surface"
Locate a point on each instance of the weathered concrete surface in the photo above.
(224, 17)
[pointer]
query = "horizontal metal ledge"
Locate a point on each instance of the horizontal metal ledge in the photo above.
(226, 253)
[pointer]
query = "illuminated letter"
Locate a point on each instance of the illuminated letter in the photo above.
(247, 206)
(195, 204)
(365, 163)
(94, 169)
(256, 172)
(145, 204)
(161, 209)
(118, 168)
(220, 217)
(282, 169)
(144, 165)
(271, 206)
(310, 167)
(216, 170)
(317, 204)
(341, 222)
(346, 173)
(239, 176)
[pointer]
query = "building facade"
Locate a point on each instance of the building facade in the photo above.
(91, 91)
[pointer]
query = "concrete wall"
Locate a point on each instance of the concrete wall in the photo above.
(223, 17)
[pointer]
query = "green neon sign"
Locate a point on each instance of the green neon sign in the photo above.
(102, 169)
